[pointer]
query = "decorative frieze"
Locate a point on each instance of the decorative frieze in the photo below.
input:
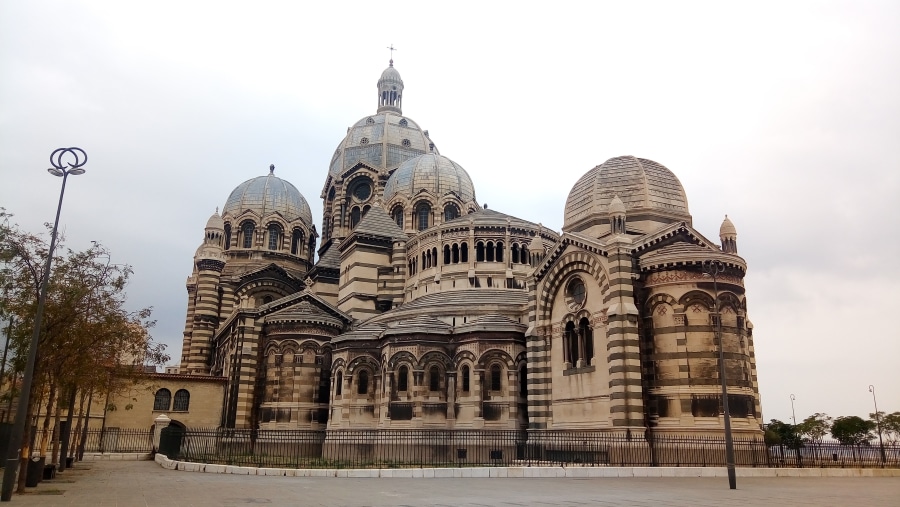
(680, 276)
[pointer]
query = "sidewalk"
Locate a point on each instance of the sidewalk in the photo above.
(145, 483)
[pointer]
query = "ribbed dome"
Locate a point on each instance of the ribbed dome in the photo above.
(268, 194)
(215, 222)
(616, 206)
(727, 228)
(642, 185)
(434, 173)
(382, 141)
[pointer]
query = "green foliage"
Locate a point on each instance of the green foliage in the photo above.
(815, 427)
(88, 338)
(890, 425)
(783, 433)
(852, 430)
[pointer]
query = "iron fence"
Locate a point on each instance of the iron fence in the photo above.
(118, 440)
(461, 448)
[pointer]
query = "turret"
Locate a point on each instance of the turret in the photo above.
(728, 236)
(617, 215)
(390, 90)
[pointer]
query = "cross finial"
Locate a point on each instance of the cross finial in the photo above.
(392, 48)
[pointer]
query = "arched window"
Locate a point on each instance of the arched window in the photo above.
(489, 251)
(523, 381)
(455, 253)
(339, 384)
(451, 211)
(515, 253)
(362, 382)
(397, 215)
(354, 217)
(434, 379)
(496, 380)
(403, 379)
(162, 399)
(465, 378)
(570, 348)
(267, 299)
(227, 236)
(423, 213)
(247, 232)
(296, 242)
(446, 254)
(524, 256)
(182, 401)
(274, 237)
(479, 252)
(499, 251)
(586, 340)
(464, 252)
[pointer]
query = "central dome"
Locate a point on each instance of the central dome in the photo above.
(384, 140)
(268, 194)
(432, 172)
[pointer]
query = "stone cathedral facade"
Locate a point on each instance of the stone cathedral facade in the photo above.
(424, 309)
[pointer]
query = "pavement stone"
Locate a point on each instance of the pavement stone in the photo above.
(147, 484)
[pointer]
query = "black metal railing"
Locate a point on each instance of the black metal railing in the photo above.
(459, 448)
(118, 440)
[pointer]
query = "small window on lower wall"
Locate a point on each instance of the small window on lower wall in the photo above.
(162, 399)
(182, 401)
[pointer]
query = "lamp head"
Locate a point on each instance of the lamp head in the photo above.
(55, 172)
(76, 171)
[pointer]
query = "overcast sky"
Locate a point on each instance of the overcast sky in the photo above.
(784, 115)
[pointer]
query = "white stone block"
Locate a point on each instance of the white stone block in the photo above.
(319, 472)
(443, 473)
(417, 473)
(115, 456)
(625, 471)
(362, 472)
(270, 471)
(405, 473)
(687, 472)
(341, 473)
(515, 472)
(428, 473)
(576, 472)
(498, 472)
(214, 469)
(481, 472)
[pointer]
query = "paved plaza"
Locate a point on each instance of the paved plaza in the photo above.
(145, 483)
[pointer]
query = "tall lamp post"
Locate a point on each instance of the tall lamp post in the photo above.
(877, 424)
(714, 269)
(65, 161)
(793, 414)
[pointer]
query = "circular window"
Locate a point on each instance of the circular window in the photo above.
(403, 122)
(405, 143)
(370, 120)
(364, 140)
(576, 293)
(362, 191)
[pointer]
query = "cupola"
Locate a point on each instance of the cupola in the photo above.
(728, 236)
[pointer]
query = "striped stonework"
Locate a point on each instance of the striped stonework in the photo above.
(623, 345)
(205, 315)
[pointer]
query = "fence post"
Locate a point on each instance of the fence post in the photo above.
(161, 421)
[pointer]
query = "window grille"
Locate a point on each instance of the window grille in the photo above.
(182, 401)
(162, 399)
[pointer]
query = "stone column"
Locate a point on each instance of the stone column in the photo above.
(161, 421)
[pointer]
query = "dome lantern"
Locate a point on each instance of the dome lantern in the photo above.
(390, 90)
(617, 215)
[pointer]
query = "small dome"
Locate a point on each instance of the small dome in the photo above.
(727, 228)
(215, 222)
(616, 206)
(268, 194)
(435, 173)
(641, 185)
(536, 245)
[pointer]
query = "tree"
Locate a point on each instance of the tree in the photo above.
(785, 434)
(852, 430)
(815, 427)
(890, 426)
(88, 339)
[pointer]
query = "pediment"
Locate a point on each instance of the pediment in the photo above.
(304, 307)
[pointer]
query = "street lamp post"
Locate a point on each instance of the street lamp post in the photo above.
(877, 424)
(714, 269)
(793, 414)
(61, 168)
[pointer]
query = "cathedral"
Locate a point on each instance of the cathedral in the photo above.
(415, 307)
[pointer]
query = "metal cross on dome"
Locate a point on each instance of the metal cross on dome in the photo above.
(392, 48)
